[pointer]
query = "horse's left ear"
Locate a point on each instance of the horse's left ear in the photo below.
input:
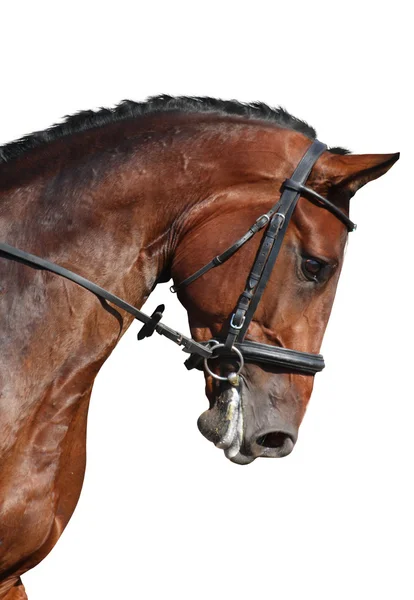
(351, 171)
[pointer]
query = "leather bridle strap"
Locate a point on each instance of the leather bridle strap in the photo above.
(261, 222)
(283, 358)
(151, 324)
(270, 248)
(321, 201)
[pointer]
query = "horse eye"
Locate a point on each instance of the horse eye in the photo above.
(312, 267)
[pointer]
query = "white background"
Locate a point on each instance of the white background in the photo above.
(163, 514)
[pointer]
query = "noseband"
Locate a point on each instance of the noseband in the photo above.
(233, 345)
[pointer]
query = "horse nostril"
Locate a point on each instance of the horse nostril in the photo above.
(280, 441)
(274, 439)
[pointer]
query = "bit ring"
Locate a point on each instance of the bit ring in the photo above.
(234, 373)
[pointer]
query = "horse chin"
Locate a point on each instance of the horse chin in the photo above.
(240, 459)
(223, 425)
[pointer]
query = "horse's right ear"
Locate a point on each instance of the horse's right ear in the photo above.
(351, 171)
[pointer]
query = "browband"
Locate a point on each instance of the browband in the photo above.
(321, 201)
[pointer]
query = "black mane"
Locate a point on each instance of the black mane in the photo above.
(127, 109)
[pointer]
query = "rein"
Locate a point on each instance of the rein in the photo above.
(277, 220)
(151, 323)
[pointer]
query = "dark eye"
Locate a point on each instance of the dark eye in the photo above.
(312, 268)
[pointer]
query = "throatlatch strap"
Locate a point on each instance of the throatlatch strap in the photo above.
(224, 256)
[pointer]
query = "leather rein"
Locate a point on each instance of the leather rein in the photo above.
(276, 221)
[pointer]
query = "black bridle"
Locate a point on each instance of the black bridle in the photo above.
(277, 220)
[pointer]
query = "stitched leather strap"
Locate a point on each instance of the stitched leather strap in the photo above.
(284, 358)
(222, 258)
(238, 319)
(321, 201)
(272, 243)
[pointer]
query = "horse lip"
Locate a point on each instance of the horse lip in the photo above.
(240, 458)
(222, 424)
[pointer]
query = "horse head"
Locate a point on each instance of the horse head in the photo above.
(260, 415)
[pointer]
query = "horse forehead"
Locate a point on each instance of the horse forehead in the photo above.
(318, 230)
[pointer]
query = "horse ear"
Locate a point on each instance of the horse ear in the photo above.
(351, 171)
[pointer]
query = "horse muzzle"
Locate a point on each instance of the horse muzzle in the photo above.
(235, 428)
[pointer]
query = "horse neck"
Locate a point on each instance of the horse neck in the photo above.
(115, 218)
(116, 232)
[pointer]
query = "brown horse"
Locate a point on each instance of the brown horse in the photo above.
(127, 198)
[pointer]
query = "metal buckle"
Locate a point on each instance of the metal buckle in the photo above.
(283, 217)
(236, 326)
(234, 375)
(267, 219)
